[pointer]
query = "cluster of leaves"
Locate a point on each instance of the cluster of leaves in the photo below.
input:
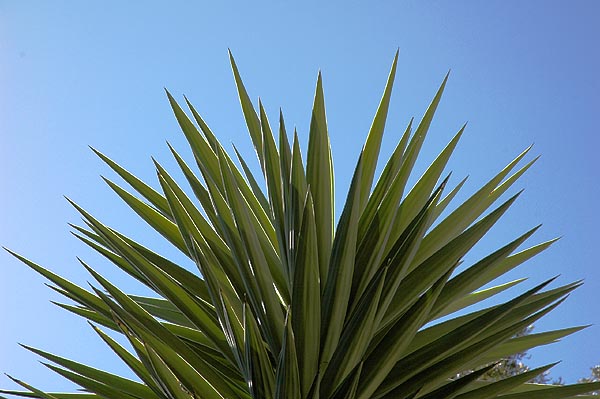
(510, 366)
(514, 365)
(594, 377)
(288, 305)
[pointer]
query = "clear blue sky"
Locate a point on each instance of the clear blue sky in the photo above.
(75, 73)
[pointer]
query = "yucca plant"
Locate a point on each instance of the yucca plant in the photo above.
(283, 303)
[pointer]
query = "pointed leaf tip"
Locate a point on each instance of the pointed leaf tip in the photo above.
(232, 59)
(445, 181)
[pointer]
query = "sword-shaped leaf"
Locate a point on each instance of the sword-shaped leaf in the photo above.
(287, 375)
(196, 310)
(403, 251)
(272, 173)
(249, 112)
(256, 190)
(194, 283)
(420, 193)
(145, 190)
(537, 301)
(357, 334)
(57, 395)
(155, 219)
(387, 350)
(77, 293)
(124, 385)
(554, 392)
(336, 296)
(196, 217)
(471, 209)
(163, 309)
(208, 162)
(451, 343)
(271, 317)
(349, 388)
(161, 339)
(370, 151)
(452, 389)
(91, 385)
(449, 361)
(260, 376)
(390, 171)
(189, 377)
(190, 231)
(479, 274)
(294, 204)
(477, 297)
(228, 307)
(35, 391)
(199, 190)
(441, 261)
(414, 147)
(492, 390)
(529, 341)
(208, 134)
(169, 382)
(306, 299)
(132, 362)
(285, 152)
(319, 177)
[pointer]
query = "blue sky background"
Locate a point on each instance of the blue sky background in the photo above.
(74, 74)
